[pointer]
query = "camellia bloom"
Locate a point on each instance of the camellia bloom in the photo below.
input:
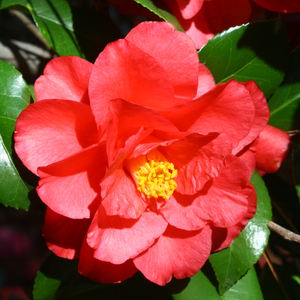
(141, 156)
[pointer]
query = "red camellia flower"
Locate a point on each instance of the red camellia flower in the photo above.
(144, 163)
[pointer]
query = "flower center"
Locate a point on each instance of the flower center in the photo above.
(153, 175)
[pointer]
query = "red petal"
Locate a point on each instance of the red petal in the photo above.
(51, 130)
(177, 252)
(64, 236)
(121, 197)
(224, 201)
(123, 71)
(205, 81)
(248, 156)
(197, 159)
(126, 119)
(222, 15)
(180, 213)
(71, 187)
(272, 148)
(226, 108)
(116, 239)
(187, 8)
(222, 237)
(262, 115)
(157, 39)
(65, 78)
(286, 6)
(101, 271)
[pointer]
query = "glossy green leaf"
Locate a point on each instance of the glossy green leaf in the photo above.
(257, 51)
(284, 104)
(162, 11)
(231, 263)
(201, 287)
(14, 97)
(13, 191)
(59, 279)
(69, 30)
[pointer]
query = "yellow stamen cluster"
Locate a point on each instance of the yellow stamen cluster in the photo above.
(154, 175)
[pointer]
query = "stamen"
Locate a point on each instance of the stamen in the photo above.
(153, 175)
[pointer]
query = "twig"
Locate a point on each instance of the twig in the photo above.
(266, 256)
(286, 234)
(30, 26)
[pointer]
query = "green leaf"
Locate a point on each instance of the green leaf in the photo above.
(68, 30)
(284, 104)
(257, 51)
(161, 11)
(13, 191)
(200, 287)
(231, 263)
(59, 279)
(14, 97)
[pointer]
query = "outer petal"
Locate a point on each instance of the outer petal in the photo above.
(187, 8)
(177, 252)
(226, 108)
(271, 149)
(71, 187)
(116, 239)
(262, 115)
(173, 50)
(225, 202)
(51, 130)
(100, 271)
(126, 119)
(64, 236)
(123, 71)
(222, 237)
(222, 15)
(66, 78)
(197, 159)
(286, 6)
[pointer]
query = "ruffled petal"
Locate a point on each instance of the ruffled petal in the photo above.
(224, 201)
(124, 71)
(248, 156)
(118, 190)
(70, 187)
(116, 239)
(177, 252)
(187, 8)
(173, 50)
(262, 115)
(126, 119)
(271, 149)
(226, 108)
(51, 130)
(222, 237)
(102, 271)
(286, 6)
(198, 159)
(65, 77)
(64, 236)
(121, 197)
(180, 213)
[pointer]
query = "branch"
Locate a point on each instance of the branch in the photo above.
(286, 234)
(30, 26)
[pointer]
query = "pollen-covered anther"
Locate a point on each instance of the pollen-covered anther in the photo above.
(154, 175)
